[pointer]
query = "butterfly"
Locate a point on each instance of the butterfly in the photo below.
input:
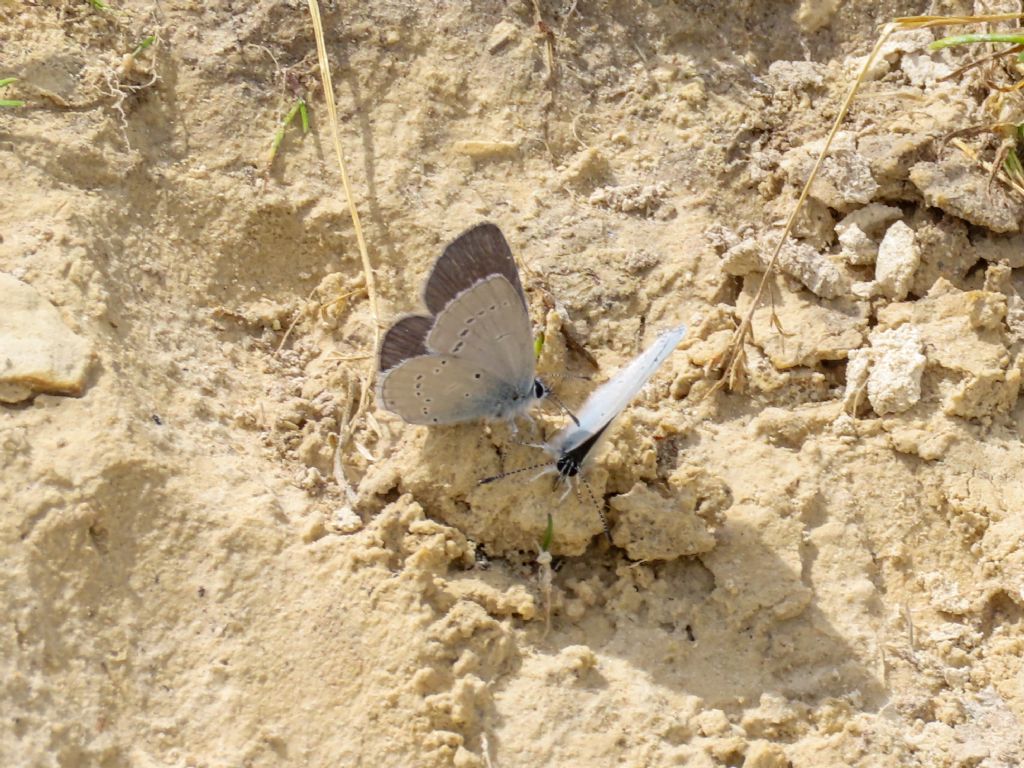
(575, 445)
(472, 356)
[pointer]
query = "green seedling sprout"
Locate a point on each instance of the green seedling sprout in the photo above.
(99, 5)
(538, 345)
(993, 37)
(298, 109)
(10, 102)
(1012, 164)
(549, 535)
(143, 44)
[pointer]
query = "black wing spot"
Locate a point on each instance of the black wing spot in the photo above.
(493, 307)
(437, 371)
(429, 400)
(419, 377)
(466, 395)
(464, 333)
(435, 420)
(476, 375)
(470, 320)
(444, 362)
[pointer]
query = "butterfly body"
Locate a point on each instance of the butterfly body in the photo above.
(573, 446)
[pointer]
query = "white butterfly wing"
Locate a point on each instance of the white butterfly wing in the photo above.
(611, 398)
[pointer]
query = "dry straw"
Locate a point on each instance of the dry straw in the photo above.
(732, 358)
(366, 384)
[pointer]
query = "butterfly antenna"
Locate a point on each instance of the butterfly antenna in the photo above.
(561, 405)
(599, 508)
(503, 475)
(564, 376)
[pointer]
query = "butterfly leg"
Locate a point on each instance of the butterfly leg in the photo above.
(546, 471)
(568, 489)
(597, 506)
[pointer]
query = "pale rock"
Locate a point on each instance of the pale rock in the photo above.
(796, 75)
(773, 717)
(586, 169)
(38, 352)
(857, 367)
(819, 273)
(898, 259)
(346, 520)
(922, 69)
(722, 238)
(897, 365)
(873, 219)
(965, 342)
(764, 754)
(813, 224)
(484, 149)
(743, 258)
(503, 33)
(857, 247)
(644, 199)
(868, 289)
(999, 279)
(1008, 249)
(812, 15)
(844, 180)
(960, 188)
(945, 252)
(815, 329)
(929, 440)
(891, 156)
(655, 527)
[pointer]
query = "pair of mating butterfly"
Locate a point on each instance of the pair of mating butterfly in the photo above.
(473, 356)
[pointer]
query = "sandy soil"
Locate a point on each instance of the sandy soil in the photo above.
(824, 567)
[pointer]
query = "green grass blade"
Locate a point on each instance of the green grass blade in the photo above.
(143, 44)
(994, 37)
(298, 108)
(549, 535)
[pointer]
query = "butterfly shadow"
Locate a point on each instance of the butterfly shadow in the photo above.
(739, 628)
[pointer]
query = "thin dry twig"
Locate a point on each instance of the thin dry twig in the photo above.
(549, 42)
(731, 358)
(994, 170)
(924, 22)
(345, 434)
(1013, 50)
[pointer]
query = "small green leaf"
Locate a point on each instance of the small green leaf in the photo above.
(538, 345)
(298, 108)
(994, 37)
(7, 81)
(549, 535)
(12, 103)
(143, 44)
